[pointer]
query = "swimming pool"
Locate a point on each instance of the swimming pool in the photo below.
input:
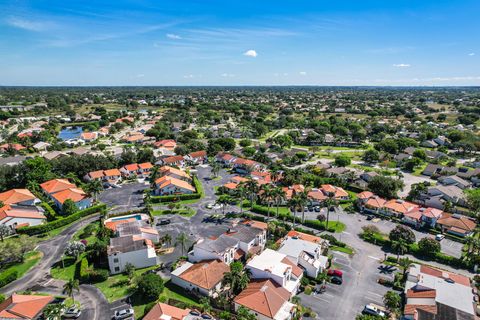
(136, 216)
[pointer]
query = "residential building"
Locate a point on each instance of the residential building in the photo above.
(450, 193)
(19, 197)
(130, 170)
(144, 169)
(334, 192)
(77, 195)
(436, 295)
(197, 157)
(457, 224)
(226, 159)
(178, 161)
(167, 185)
(163, 311)
(454, 181)
(15, 216)
(397, 207)
(374, 205)
(24, 306)
(267, 300)
(130, 249)
(174, 173)
(52, 186)
(203, 278)
(277, 267)
(305, 254)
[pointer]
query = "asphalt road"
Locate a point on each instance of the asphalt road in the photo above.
(38, 278)
(128, 196)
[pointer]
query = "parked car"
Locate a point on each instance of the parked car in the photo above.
(210, 205)
(163, 222)
(439, 237)
(336, 280)
(317, 209)
(72, 313)
(335, 273)
(370, 217)
(124, 314)
(372, 310)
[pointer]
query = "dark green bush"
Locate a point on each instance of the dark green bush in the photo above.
(7, 277)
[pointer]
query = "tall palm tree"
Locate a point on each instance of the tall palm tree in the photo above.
(224, 199)
(329, 204)
(252, 187)
(279, 196)
(167, 239)
(182, 241)
(240, 193)
(215, 169)
(267, 195)
(237, 278)
(294, 203)
(70, 287)
(154, 175)
(94, 187)
(303, 202)
(400, 247)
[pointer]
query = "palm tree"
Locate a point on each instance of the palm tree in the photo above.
(329, 203)
(182, 241)
(267, 195)
(237, 278)
(71, 286)
(215, 169)
(252, 187)
(167, 239)
(224, 199)
(154, 175)
(241, 192)
(303, 202)
(279, 196)
(322, 277)
(405, 264)
(294, 203)
(400, 246)
(94, 187)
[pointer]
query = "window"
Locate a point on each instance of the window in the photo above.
(115, 260)
(117, 269)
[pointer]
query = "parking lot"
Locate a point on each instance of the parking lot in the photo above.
(359, 287)
(119, 305)
(126, 197)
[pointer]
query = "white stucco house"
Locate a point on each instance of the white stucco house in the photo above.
(130, 249)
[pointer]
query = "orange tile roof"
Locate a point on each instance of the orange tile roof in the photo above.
(16, 195)
(56, 185)
(205, 274)
(296, 270)
(173, 159)
(165, 181)
(112, 225)
(317, 195)
(365, 195)
(460, 223)
(230, 185)
(264, 297)
(198, 154)
(431, 293)
(162, 311)
(131, 167)
(238, 179)
(375, 202)
(444, 274)
(14, 146)
(167, 170)
(256, 224)
(96, 174)
(112, 172)
(145, 165)
(304, 236)
(337, 192)
(411, 309)
(74, 194)
(399, 206)
(167, 144)
(89, 135)
(23, 306)
(17, 212)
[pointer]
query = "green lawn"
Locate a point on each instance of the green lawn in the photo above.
(346, 250)
(418, 171)
(58, 271)
(30, 260)
(186, 212)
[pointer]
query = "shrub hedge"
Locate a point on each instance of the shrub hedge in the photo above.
(7, 277)
(49, 226)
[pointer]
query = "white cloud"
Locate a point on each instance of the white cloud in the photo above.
(140, 75)
(471, 54)
(227, 75)
(401, 65)
(173, 36)
(189, 76)
(303, 73)
(24, 24)
(250, 53)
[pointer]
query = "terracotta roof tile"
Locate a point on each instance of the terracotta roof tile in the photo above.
(205, 274)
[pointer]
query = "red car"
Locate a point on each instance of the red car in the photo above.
(335, 273)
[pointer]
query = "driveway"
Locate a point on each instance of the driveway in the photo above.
(360, 287)
(128, 197)
(38, 278)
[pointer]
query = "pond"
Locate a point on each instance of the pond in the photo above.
(70, 133)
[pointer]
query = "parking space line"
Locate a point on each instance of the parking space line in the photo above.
(328, 301)
(375, 294)
(374, 258)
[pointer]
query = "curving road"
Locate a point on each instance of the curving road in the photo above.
(94, 304)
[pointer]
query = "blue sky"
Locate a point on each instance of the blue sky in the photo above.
(261, 42)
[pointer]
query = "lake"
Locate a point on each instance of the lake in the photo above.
(70, 133)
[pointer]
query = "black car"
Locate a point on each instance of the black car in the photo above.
(163, 222)
(370, 217)
(336, 280)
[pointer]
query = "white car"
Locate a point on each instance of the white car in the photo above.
(210, 205)
(439, 237)
(72, 313)
(372, 310)
(124, 314)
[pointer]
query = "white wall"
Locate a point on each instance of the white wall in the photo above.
(140, 259)
(17, 221)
